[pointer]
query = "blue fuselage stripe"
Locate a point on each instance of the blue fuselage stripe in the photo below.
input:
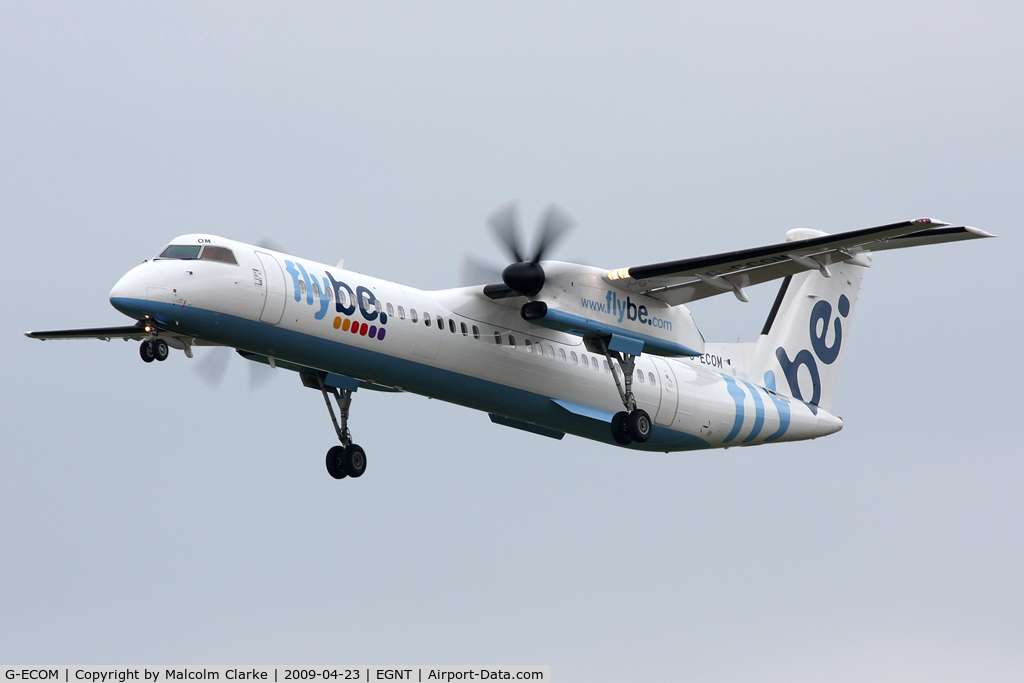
(419, 378)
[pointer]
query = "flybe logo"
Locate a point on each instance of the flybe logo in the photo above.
(624, 310)
(821, 317)
(346, 302)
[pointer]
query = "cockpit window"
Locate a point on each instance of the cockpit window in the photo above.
(219, 254)
(181, 251)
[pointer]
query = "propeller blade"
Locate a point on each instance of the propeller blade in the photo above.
(270, 244)
(557, 221)
(260, 375)
(476, 272)
(504, 222)
(212, 368)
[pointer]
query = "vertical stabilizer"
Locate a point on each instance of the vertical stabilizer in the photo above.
(801, 346)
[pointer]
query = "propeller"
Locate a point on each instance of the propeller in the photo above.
(212, 368)
(525, 275)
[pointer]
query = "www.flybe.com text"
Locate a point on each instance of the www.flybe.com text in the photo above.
(625, 310)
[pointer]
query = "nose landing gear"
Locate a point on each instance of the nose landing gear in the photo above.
(153, 349)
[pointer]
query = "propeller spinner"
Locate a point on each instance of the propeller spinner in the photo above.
(525, 276)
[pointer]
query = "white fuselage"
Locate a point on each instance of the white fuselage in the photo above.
(445, 344)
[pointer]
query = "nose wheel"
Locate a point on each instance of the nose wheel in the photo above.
(153, 349)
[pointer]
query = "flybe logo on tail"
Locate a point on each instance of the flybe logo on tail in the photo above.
(821, 313)
(346, 302)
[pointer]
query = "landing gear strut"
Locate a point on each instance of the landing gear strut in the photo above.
(348, 459)
(631, 424)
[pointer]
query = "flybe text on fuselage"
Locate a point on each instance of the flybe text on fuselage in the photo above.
(346, 300)
(625, 310)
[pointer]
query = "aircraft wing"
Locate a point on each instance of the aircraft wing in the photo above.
(104, 333)
(136, 332)
(679, 282)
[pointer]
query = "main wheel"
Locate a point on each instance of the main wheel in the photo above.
(335, 465)
(354, 461)
(159, 349)
(638, 425)
(619, 432)
(146, 351)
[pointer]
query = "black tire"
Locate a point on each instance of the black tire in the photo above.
(146, 351)
(159, 349)
(335, 464)
(619, 432)
(638, 425)
(354, 461)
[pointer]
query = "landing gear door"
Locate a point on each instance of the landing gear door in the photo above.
(669, 393)
(273, 289)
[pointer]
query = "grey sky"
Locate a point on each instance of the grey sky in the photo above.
(147, 519)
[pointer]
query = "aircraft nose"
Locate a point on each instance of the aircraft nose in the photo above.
(128, 293)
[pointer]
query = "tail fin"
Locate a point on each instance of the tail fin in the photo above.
(801, 346)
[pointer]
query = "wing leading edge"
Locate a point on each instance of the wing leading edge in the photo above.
(679, 282)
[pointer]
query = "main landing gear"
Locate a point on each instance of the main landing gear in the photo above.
(348, 459)
(153, 349)
(631, 424)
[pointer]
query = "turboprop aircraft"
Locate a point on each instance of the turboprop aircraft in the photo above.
(554, 348)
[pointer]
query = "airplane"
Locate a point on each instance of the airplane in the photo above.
(553, 348)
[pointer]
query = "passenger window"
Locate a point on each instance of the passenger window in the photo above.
(465, 330)
(316, 291)
(330, 294)
(426, 319)
(219, 254)
(401, 313)
(640, 376)
(440, 323)
(607, 370)
(302, 287)
(529, 346)
(376, 304)
(575, 360)
(561, 354)
(476, 332)
(343, 297)
(451, 325)
(650, 376)
(586, 363)
(593, 363)
(391, 311)
(497, 338)
(412, 314)
(511, 341)
(551, 352)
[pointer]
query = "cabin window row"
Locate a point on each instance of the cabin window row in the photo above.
(532, 347)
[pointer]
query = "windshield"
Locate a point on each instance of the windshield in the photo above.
(188, 251)
(181, 251)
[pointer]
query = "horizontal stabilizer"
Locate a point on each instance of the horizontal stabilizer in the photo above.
(679, 282)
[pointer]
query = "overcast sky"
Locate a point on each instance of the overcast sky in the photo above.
(145, 518)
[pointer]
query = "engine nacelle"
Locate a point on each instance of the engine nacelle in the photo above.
(576, 299)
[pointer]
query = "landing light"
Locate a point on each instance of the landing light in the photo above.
(619, 274)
